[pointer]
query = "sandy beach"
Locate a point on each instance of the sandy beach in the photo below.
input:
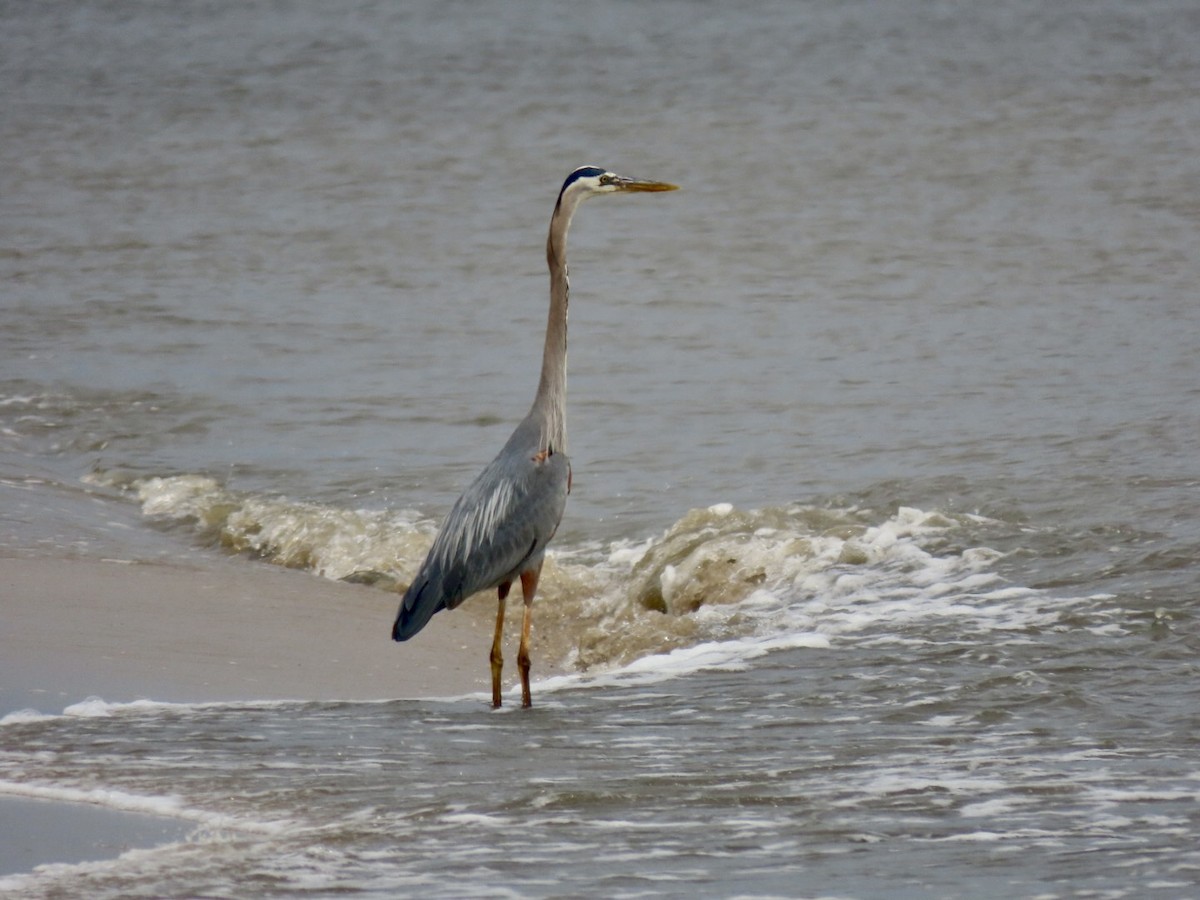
(230, 629)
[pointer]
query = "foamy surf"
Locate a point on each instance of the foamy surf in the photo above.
(169, 806)
(98, 708)
(718, 577)
(337, 544)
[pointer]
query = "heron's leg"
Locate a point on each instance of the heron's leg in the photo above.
(529, 583)
(497, 657)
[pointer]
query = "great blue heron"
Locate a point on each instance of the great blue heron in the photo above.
(498, 529)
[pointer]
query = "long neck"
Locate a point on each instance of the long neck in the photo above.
(550, 404)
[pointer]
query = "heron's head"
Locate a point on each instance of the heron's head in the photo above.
(587, 181)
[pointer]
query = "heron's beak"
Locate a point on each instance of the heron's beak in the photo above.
(638, 184)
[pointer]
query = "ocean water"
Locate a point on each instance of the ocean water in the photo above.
(879, 573)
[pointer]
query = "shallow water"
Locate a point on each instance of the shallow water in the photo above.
(869, 769)
(879, 568)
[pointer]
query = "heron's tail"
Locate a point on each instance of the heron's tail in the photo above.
(416, 609)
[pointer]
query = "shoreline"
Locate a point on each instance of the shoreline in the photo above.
(222, 629)
(40, 832)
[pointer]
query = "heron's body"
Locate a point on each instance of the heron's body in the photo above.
(498, 530)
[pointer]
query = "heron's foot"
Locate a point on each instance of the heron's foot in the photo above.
(497, 666)
(523, 666)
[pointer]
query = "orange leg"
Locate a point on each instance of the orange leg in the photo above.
(497, 658)
(529, 583)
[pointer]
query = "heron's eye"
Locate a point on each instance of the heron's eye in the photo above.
(607, 178)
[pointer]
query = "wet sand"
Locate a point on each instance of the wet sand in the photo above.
(229, 629)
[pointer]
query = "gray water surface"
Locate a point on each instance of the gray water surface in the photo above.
(924, 315)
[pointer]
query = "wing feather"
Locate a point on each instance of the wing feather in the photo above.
(500, 524)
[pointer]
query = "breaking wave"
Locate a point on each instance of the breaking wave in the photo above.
(718, 576)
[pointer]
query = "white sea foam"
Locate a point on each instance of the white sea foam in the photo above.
(23, 717)
(719, 576)
(331, 542)
(742, 579)
(708, 657)
(123, 801)
(99, 708)
(993, 807)
(976, 837)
